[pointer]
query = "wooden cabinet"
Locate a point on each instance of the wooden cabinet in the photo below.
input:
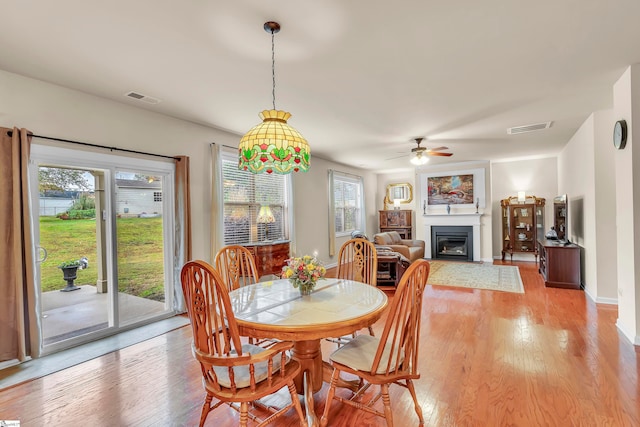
(559, 264)
(522, 225)
(397, 220)
(270, 257)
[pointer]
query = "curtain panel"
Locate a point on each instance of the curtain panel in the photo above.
(217, 201)
(19, 325)
(332, 214)
(183, 245)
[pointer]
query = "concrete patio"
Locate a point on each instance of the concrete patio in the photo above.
(69, 314)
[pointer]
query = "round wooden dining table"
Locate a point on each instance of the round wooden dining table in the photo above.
(336, 307)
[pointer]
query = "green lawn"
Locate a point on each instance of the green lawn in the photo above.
(140, 257)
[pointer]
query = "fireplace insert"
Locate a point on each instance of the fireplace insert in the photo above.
(452, 243)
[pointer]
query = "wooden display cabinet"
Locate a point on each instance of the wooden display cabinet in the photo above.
(522, 225)
(396, 220)
(270, 257)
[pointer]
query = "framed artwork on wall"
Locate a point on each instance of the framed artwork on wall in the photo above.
(464, 188)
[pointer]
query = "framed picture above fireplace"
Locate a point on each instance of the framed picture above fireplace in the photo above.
(463, 188)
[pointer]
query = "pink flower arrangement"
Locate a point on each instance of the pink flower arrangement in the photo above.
(303, 272)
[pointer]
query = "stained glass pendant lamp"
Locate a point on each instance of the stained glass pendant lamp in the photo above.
(273, 145)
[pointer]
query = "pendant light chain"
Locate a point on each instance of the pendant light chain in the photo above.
(273, 69)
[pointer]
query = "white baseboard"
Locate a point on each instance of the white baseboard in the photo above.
(633, 340)
(600, 300)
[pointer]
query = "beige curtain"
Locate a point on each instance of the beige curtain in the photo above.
(332, 214)
(217, 201)
(19, 326)
(183, 245)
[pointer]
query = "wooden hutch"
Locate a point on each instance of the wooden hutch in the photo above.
(396, 220)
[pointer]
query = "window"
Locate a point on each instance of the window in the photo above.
(348, 202)
(157, 196)
(243, 194)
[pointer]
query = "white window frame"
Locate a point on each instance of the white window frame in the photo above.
(340, 177)
(255, 236)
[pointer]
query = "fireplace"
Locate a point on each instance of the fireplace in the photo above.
(453, 220)
(452, 243)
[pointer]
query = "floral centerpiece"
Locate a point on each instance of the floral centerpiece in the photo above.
(303, 273)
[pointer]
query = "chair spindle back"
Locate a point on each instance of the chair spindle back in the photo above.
(358, 260)
(236, 266)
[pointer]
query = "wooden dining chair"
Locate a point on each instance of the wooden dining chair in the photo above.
(357, 260)
(390, 359)
(237, 267)
(232, 372)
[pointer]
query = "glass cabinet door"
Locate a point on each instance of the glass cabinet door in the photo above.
(540, 222)
(506, 229)
(523, 225)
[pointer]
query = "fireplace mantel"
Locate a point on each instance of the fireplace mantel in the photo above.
(471, 219)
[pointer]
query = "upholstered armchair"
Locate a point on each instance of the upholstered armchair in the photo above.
(411, 249)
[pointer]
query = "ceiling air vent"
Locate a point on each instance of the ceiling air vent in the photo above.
(528, 128)
(143, 98)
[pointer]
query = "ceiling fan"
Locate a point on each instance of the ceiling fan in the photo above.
(420, 154)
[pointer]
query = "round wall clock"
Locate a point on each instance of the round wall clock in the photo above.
(620, 134)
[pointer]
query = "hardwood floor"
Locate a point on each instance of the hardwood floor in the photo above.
(549, 357)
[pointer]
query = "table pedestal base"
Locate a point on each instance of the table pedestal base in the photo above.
(309, 381)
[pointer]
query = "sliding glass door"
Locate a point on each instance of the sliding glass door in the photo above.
(101, 229)
(140, 245)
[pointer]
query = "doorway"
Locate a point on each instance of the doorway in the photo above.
(107, 218)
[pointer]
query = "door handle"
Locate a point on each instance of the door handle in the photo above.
(43, 254)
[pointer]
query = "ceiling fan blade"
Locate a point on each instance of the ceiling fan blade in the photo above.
(397, 157)
(438, 149)
(439, 154)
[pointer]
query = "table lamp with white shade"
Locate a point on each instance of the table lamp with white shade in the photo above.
(265, 216)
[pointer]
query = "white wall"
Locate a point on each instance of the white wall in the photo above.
(626, 101)
(577, 180)
(536, 177)
(585, 166)
(311, 208)
(606, 275)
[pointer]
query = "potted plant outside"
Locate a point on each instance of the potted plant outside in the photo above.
(70, 273)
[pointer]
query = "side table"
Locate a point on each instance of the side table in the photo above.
(390, 270)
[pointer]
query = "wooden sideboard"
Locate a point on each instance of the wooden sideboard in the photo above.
(270, 256)
(396, 220)
(559, 264)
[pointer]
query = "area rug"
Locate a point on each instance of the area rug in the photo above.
(503, 278)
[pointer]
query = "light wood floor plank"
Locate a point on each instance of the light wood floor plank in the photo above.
(547, 357)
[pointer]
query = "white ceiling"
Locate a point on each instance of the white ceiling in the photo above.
(360, 77)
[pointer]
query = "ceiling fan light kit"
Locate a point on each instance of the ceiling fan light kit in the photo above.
(419, 159)
(273, 145)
